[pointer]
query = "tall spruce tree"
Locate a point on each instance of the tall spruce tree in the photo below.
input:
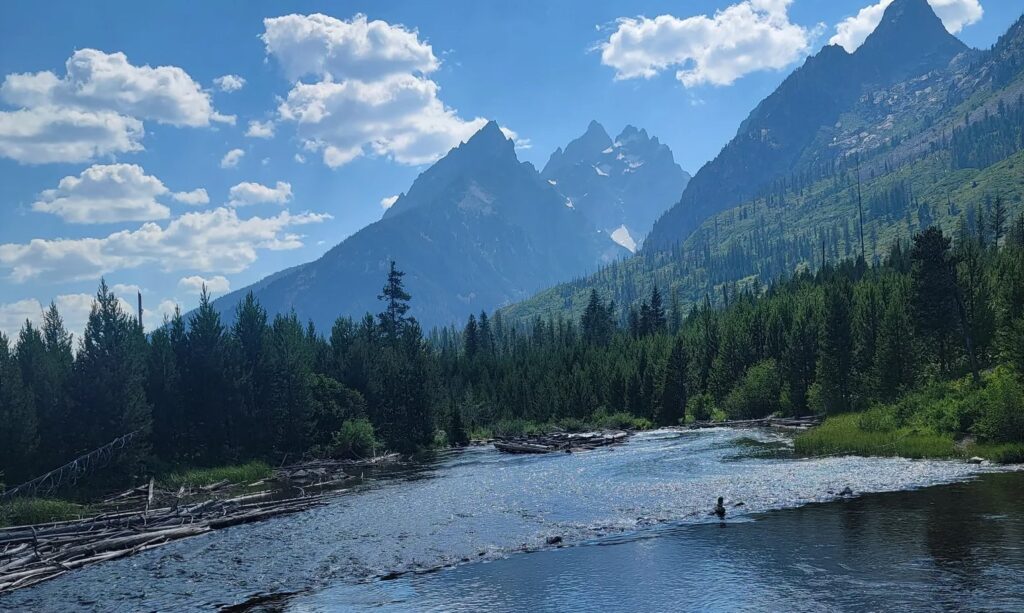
(109, 384)
(835, 349)
(673, 388)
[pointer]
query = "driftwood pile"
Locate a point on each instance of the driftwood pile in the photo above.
(782, 423)
(560, 441)
(31, 554)
(146, 516)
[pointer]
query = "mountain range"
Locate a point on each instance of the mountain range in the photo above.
(621, 185)
(478, 230)
(912, 129)
(800, 125)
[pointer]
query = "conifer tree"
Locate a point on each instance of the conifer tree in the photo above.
(674, 393)
(835, 349)
(109, 383)
(18, 427)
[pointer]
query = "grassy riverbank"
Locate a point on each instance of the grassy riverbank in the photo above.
(198, 477)
(928, 424)
(24, 511)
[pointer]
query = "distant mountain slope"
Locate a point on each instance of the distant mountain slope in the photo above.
(475, 231)
(939, 148)
(798, 127)
(621, 185)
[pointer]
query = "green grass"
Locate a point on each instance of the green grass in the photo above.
(198, 477)
(1000, 453)
(24, 511)
(845, 435)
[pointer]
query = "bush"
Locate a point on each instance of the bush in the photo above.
(620, 421)
(1001, 404)
(354, 440)
(757, 393)
(701, 407)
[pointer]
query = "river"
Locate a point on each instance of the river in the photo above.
(635, 530)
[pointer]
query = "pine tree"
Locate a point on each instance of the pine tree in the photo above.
(209, 406)
(998, 222)
(835, 350)
(933, 290)
(674, 393)
(288, 392)
(396, 300)
(249, 335)
(471, 338)
(109, 383)
(18, 427)
(896, 357)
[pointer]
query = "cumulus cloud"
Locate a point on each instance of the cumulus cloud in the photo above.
(853, 31)
(370, 92)
(247, 193)
(229, 83)
(194, 197)
(321, 45)
(746, 37)
(260, 129)
(231, 158)
(53, 134)
(96, 108)
(216, 240)
(387, 203)
(218, 284)
(106, 194)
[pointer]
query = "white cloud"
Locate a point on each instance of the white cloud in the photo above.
(371, 93)
(955, 15)
(246, 193)
(106, 194)
(260, 129)
(323, 46)
(301, 159)
(398, 116)
(96, 108)
(194, 284)
(53, 134)
(387, 203)
(194, 197)
(746, 37)
(229, 83)
(216, 240)
(231, 158)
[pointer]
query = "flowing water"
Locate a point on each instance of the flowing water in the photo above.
(468, 531)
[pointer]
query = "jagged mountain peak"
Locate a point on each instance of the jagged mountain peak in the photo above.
(909, 40)
(489, 140)
(621, 185)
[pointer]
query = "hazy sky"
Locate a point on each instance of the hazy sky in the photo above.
(164, 145)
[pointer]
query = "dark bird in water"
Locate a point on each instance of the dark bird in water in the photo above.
(720, 508)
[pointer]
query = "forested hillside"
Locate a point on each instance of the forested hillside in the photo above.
(956, 163)
(848, 338)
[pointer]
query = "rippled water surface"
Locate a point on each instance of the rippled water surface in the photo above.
(640, 512)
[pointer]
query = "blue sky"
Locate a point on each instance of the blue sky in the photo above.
(103, 156)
